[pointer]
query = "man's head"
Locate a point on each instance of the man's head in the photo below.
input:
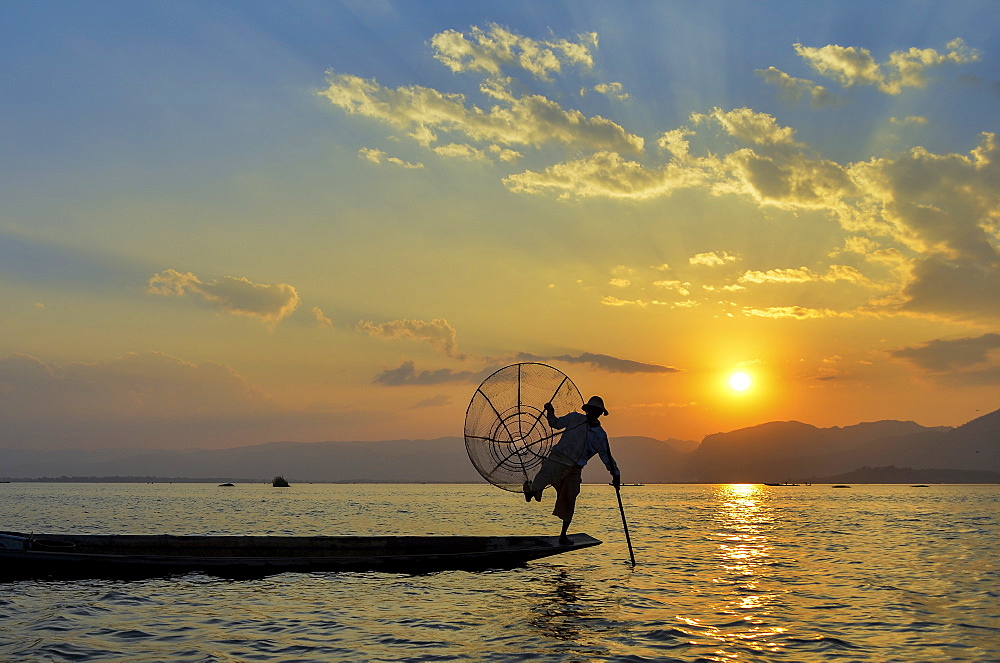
(594, 408)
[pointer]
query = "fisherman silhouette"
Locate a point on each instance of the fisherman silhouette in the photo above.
(582, 438)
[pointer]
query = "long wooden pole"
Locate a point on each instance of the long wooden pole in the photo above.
(628, 539)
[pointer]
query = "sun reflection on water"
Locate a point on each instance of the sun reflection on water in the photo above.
(742, 522)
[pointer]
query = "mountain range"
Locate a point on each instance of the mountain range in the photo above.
(780, 451)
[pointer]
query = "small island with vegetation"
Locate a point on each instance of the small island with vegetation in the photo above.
(279, 482)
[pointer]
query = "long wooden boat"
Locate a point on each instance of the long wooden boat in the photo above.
(98, 555)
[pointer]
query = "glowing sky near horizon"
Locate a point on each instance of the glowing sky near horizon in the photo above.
(238, 222)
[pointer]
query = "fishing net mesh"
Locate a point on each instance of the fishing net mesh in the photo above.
(507, 434)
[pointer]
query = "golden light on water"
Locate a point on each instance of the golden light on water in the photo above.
(743, 518)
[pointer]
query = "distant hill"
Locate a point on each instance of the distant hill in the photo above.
(440, 460)
(777, 451)
(788, 450)
(893, 474)
(972, 446)
(641, 460)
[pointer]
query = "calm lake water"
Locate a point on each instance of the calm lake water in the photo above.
(724, 573)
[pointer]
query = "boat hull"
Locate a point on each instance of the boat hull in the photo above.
(67, 555)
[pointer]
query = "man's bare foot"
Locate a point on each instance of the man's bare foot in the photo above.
(565, 540)
(527, 491)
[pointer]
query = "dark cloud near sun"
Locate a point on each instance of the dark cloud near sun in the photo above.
(941, 355)
(407, 374)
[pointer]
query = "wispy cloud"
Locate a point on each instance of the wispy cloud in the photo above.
(805, 275)
(425, 113)
(605, 174)
(712, 258)
(602, 362)
(611, 300)
(437, 333)
(407, 374)
(495, 48)
(613, 90)
(235, 295)
(909, 119)
(794, 312)
(682, 288)
(457, 151)
(795, 90)
(440, 400)
(378, 156)
(321, 317)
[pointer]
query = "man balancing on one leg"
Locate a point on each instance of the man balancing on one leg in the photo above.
(582, 438)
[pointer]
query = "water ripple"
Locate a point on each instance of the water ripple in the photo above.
(725, 573)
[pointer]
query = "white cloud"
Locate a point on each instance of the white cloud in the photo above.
(613, 90)
(456, 151)
(494, 48)
(749, 126)
(378, 156)
(779, 172)
(235, 295)
(604, 175)
(532, 120)
(805, 275)
(680, 287)
(503, 153)
(713, 258)
(795, 312)
(615, 301)
(856, 66)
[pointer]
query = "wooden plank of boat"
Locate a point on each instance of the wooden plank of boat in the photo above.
(96, 555)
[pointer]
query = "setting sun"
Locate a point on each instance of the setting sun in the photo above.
(739, 381)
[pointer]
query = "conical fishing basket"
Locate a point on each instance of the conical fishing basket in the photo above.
(507, 434)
